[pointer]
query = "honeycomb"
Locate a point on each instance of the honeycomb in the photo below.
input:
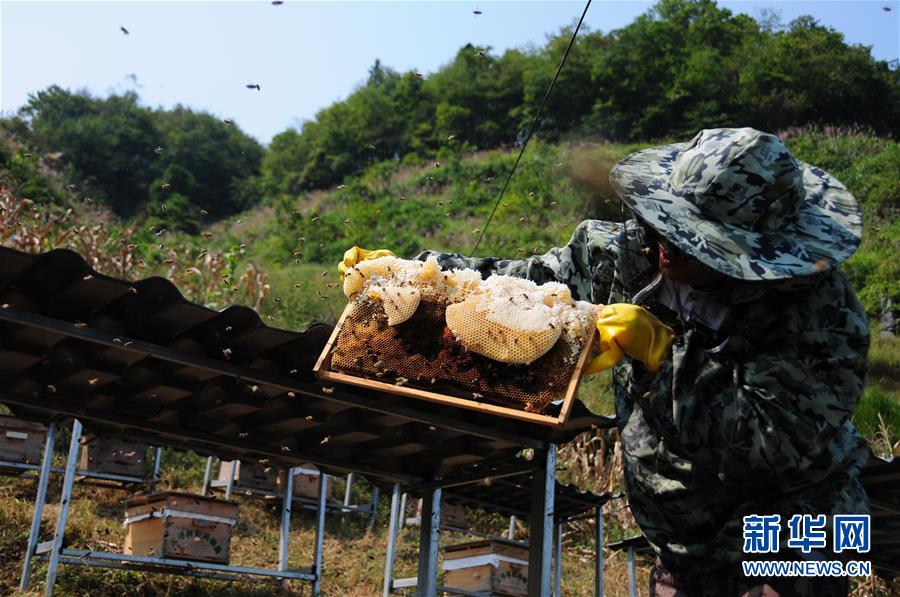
(505, 340)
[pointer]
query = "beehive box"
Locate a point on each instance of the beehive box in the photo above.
(250, 474)
(21, 441)
(180, 526)
(453, 515)
(306, 483)
(490, 566)
(409, 349)
(113, 456)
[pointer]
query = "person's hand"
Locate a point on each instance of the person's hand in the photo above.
(632, 330)
(355, 254)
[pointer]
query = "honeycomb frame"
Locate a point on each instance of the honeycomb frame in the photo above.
(325, 371)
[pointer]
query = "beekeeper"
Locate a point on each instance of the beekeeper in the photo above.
(742, 345)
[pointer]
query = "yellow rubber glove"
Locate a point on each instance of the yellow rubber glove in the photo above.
(355, 255)
(632, 330)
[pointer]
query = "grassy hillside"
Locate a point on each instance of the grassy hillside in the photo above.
(281, 258)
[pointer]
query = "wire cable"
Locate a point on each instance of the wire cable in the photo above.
(534, 122)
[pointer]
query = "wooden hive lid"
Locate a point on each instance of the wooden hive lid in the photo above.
(486, 546)
(12, 422)
(182, 502)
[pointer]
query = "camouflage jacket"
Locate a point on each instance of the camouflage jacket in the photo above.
(752, 418)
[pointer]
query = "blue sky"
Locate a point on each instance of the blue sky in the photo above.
(305, 55)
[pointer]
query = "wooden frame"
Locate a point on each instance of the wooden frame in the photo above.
(323, 371)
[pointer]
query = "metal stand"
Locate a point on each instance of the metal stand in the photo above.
(540, 541)
(56, 554)
(43, 477)
(632, 586)
(230, 486)
(631, 546)
(546, 534)
(599, 568)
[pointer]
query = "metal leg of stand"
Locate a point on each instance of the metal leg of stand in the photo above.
(540, 542)
(392, 541)
(511, 535)
(403, 511)
(206, 475)
(157, 455)
(229, 486)
(347, 491)
(68, 480)
(320, 534)
(598, 554)
(557, 576)
(375, 493)
(39, 501)
(286, 508)
(632, 586)
(429, 543)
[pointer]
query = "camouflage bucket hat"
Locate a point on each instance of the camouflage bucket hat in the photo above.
(739, 202)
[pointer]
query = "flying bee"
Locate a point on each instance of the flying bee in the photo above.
(166, 186)
(124, 30)
(437, 164)
(277, 2)
(203, 212)
(315, 220)
(158, 150)
(371, 148)
(229, 121)
(239, 221)
(553, 205)
(253, 86)
(71, 187)
(523, 219)
(418, 74)
(88, 200)
(481, 54)
(347, 221)
(327, 390)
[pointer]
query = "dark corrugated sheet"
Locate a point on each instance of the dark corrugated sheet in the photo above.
(137, 360)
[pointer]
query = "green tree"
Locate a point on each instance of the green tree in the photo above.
(574, 94)
(672, 71)
(109, 142)
(217, 155)
(808, 74)
(170, 200)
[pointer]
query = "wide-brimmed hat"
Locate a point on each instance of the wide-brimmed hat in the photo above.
(737, 200)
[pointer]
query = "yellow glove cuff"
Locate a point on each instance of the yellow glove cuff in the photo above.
(632, 330)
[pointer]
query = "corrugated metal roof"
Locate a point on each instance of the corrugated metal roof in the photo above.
(137, 360)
